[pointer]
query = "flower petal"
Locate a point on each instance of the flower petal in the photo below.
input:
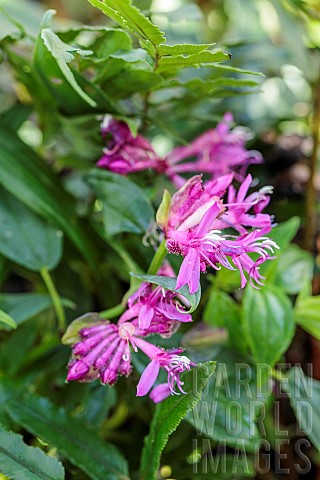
(148, 378)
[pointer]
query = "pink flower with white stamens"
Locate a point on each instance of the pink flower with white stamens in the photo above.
(195, 224)
(173, 363)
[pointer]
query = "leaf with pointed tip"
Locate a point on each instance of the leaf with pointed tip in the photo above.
(169, 283)
(170, 413)
(268, 323)
(205, 58)
(130, 18)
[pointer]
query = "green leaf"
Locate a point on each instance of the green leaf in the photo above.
(268, 323)
(100, 460)
(210, 86)
(71, 335)
(294, 269)
(304, 395)
(28, 178)
(71, 91)
(22, 306)
(169, 283)
(26, 239)
(7, 320)
(206, 58)
(21, 462)
(169, 414)
(284, 233)
(307, 314)
(130, 18)
(126, 208)
(230, 407)
(182, 49)
(222, 311)
(61, 53)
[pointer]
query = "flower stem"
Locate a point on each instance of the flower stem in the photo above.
(158, 258)
(55, 297)
(112, 312)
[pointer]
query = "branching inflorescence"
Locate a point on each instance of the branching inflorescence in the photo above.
(211, 224)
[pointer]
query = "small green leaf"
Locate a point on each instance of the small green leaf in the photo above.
(22, 462)
(182, 49)
(27, 239)
(307, 314)
(304, 395)
(206, 58)
(294, 269)
(130, 18)
(283, 233)
(169, 283)
(222, 311)
(126, 208)
(22, 306)
(268, 323)
(81, 445)
(7, 320)
(169, 414)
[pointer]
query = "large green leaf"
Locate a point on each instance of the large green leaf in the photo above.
(28, 178)
(169, 283)
(307, 314)
(130, 18)
(268, 323)
(169, 414)
(230, 408)
(222, 311)
(21, 462)
(22, 306)
(126, 208)
(294, 269)
(26, 239)
(304, 395)
(82, 446)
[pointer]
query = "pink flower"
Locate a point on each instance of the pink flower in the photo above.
(102, 352)
(173, 363)
(193, 230)
(125, 153)
(218, 151)
(155, 310)
(238, 206)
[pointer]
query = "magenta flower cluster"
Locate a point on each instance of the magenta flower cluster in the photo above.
(216, 152)
(211, 224)
(103, 350)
